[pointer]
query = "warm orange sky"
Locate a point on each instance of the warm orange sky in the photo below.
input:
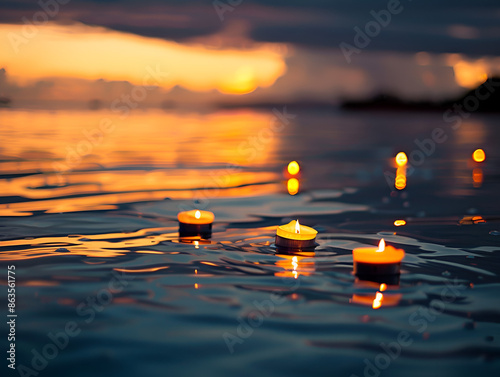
(64, 63)
(87, 52)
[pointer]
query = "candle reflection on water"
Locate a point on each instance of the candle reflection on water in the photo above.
(478, 157)
(477, 177)
(295, 265)
(292, 173)
(383, 296)
(292, 186)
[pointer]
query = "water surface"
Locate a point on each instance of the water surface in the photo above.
(88, 212)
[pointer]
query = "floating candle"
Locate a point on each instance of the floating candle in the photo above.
(401, 159)
(399, 222)
(371, 261)
(295, 236)
(479, 155)
(293, 168)
(195, 223)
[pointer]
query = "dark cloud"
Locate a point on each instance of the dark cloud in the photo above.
(423, 25)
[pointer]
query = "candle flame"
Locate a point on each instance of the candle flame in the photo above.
(297, 227)
(197, 214)
(381, 245)
(383, 287)
(196, 244)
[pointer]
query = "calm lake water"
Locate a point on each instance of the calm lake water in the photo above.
(105, 287)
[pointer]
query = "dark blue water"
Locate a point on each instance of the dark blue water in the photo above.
(105, 287)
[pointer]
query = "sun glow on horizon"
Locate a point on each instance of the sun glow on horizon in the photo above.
(92, 53)
(470, 75)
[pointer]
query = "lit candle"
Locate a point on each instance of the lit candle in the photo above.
(401, 160)
(479, 155)
(381, 261)
(293, 168)
(295, 236)
(195, 223)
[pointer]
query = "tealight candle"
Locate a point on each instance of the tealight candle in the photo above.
(195, 223)
(295, 236)
(371, 261)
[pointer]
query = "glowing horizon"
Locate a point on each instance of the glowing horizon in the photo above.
(92, 53)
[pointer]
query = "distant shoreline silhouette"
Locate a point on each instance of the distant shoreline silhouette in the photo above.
(487, 94)
(5, 101)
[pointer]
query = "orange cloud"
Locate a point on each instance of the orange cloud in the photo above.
(87, 52)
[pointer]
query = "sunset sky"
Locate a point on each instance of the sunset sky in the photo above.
(209, 52)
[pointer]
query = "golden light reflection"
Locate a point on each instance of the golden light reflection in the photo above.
(292, 186)
(478, 155)
(96, 246)
(71, 51)
(375, 299)
(54, 173)
(152, 269)
(477, 177)
(399, 222)
(293, 168)
(469, 220)
(478, 219)
(296, 265)
(400, 180)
